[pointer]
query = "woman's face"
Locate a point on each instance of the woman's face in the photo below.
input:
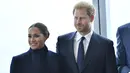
(35, 38)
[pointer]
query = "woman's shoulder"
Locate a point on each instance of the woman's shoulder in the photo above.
(55, 56)
(52, 54)
(22, 55)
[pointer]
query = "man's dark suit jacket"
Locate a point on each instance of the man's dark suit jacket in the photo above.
(100, 56)
(123, 48)
(38, 61)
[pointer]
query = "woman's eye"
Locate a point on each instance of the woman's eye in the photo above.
(29, 36)
(36, 36)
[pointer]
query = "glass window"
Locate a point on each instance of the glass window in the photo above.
(119, 15)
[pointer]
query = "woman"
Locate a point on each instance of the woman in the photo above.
(38, 59)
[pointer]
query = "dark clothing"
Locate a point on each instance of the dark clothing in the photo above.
(123, 48)
(100, 56)
(38, 61)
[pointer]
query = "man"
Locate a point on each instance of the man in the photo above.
(92, 53)
(123, 48)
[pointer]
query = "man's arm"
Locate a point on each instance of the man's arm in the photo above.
(110, 59)
(121, 54)
(57, 46)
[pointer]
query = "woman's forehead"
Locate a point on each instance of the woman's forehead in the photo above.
(34, 30)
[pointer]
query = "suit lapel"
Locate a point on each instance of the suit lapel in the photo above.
(70, 43)
(71, 46)
(90, 50)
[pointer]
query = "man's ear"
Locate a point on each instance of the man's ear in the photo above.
(92, 18)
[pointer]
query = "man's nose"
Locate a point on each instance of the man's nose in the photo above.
(78, 20)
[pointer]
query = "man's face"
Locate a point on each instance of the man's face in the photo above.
(82, 21)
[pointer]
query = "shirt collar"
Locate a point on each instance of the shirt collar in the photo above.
(87, 36)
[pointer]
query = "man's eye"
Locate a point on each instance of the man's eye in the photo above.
(83, 18)
(75, 17)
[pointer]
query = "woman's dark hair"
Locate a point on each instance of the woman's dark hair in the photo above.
(43, 29)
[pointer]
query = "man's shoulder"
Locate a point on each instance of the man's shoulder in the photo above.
(67, 35)
(124, 26)
(101, 38)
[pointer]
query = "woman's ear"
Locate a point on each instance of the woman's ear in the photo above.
(47, 37)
